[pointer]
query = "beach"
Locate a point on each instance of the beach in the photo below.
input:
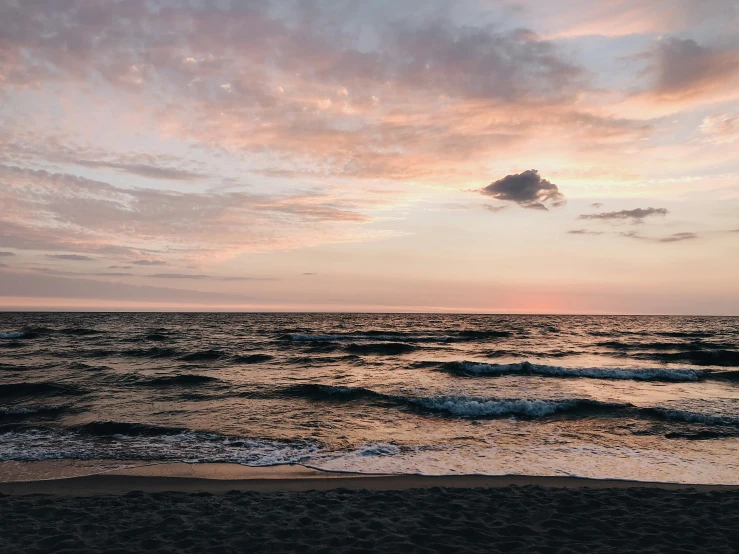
(227, 508)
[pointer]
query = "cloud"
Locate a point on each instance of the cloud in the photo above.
(3, 265)
(119, 267)
(637, 215)
(526, 189)
(142, 170)
(675, 237)
(145, 263)
(596, 205)
(494, 209)
(6, 254)
(678, 237)
(307, 93)
(27, 285)
(53, 211)
(682, 68)
(113, 274)
(720, 128)
(200, 277)
(71, 257)
(309, 274)
(584, 232)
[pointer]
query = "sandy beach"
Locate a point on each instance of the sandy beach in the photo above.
(227, 508)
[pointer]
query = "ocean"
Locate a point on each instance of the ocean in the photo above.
(649, 398)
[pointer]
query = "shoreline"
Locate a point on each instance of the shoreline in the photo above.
(224, 478)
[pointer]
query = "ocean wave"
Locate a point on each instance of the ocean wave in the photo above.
(399, 336)
(155, 352)
(465, 406)
(684, 334)
(458, 406)
(693, 417)
(26, 333)
(80, 331)
(252, 358)
(30, 410)
(725, 375)
(387, 348)
(184, 379)
(204, 356)
(317, 391)
(718, 357)
(35, 332)
(527, 368)
(147, 442)
(478, 335)
(117, 428)
(12, 390)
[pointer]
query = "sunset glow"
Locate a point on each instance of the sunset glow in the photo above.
(280, 155)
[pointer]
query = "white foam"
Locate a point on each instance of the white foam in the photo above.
(479, 407)
(641, 374)
(299, 337)
(25, 410)
(189, 447)
(380, 449)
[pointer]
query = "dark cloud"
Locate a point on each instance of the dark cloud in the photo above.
(494, 209)
(584, 232)
(3, 265)
(142, 170)
(6, 254)
(596, 205)
(113, 274)
(308, 274)
(637, 215)
(526, 189)
(147, 262)
(119, 267)
(71, 257)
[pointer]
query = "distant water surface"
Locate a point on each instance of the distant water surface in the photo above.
(647, 398)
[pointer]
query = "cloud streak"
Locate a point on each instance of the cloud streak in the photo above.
(70, 257)
(637, 215)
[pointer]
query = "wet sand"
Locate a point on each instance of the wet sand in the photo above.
(225, 508)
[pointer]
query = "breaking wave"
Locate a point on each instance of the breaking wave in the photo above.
(252, 359)
(15, 390)
(527, 368)
(386, 348)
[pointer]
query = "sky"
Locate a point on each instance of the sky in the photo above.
(502, 156)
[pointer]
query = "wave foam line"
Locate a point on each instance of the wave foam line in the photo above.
(527, 368)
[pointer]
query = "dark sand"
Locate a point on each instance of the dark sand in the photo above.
(270, 511)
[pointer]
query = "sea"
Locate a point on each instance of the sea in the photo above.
(648, 398)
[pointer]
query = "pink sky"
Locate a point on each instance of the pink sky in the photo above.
(474, 156)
